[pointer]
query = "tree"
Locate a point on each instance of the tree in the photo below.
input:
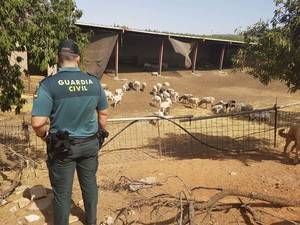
(37, 26)
(272, 49)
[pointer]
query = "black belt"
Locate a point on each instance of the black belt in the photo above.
(76, 141)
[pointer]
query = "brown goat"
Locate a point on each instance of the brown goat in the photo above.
(293, 134)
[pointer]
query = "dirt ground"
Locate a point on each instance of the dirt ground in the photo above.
(268, 175)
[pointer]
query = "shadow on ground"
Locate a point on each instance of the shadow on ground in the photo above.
(182, 146)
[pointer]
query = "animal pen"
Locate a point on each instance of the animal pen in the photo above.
(180, 137)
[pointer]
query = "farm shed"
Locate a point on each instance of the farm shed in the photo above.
(127, 50)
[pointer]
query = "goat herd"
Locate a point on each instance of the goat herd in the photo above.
(163, 96)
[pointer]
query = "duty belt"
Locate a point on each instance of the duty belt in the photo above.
(76, 141)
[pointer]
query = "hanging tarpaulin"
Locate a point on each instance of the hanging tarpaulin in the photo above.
(183, 49)
(98, 52)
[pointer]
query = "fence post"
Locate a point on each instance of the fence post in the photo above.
(159, 138)
(275, 125)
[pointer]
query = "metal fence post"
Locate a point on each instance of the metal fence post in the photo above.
(159, 138)
(275, 125)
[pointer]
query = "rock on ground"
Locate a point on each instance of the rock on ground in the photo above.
(37, 192)
(32, 218)
(23, 202)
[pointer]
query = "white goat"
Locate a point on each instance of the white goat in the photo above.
(156, 100)
(104, 86)
(218, 109)
(125, 87)
(109, 95)
(174, 96)
(154, 90)
(166, 84)
(136, 85)
(159, 86)
(117, 99)
(143, 86)
(119, 91)
(166, 95)
(165, 106)
(159, 113)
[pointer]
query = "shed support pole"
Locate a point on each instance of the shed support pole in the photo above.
(117, 57)
(222, 57)
(195, 54)
(161, 54)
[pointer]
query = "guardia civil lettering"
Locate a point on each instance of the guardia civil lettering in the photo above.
(75, 82)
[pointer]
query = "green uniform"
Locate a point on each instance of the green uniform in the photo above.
(71, 99)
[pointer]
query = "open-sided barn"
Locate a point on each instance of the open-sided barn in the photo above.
(122, 49)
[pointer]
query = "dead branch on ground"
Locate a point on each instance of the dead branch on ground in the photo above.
(6, 191)
(18, 166)
(187, 206)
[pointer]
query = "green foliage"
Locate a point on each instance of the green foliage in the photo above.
(37, 26)
(272, 50)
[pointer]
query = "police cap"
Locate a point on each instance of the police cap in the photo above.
(68, 46)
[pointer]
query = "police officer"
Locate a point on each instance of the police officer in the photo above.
(77, 107)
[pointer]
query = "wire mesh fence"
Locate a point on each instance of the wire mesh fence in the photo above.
(178, 138)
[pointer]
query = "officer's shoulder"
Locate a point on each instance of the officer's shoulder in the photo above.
(92, 75)
(46, 79)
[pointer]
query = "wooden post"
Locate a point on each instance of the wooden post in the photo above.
(161, 54)
(195, 57)
(222, 57)
(117, 57)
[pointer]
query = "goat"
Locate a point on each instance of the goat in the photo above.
(293, 134)
(165, 106)
(246, 107)
(156, 100)
(136, 85)
(260, 116)
(143, 86)
(104, 86)
(125, 87)
(193, 102)
(218, 109)
(174, 96)
(228, 105)
(184, 98)
(109, 95)
(117, 99)
(154, 90)
(166, 95)
(166, 84)
(207, 100)
(159, 86)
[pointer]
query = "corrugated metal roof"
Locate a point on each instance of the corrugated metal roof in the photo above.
(124, 30)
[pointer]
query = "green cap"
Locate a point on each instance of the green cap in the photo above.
(68, 46)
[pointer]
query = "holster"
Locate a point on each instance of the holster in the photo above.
(101, 135)
(58, 144)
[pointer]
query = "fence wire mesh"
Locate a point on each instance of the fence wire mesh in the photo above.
(159, 138)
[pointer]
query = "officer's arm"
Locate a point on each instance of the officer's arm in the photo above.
(102, 108)
(41, 110)
(102, 118)
(39, 125)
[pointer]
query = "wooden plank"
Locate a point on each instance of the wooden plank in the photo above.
(161, 55)
(117, 57)
(222, 57)
(195, 55)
